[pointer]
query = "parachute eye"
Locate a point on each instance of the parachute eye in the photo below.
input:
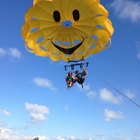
(76, 15)
(56, 16)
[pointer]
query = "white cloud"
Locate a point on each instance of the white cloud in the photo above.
(107, 96)
(71, 138)
(42, 82)
(127, 9)
(66, 107)
(2, 52)
(112, 115)
(5, 112)
(37, 112)
(7, 134)
(2, 124)
(40, 138)
(10, 51)
(60, 138)
(135, 132)
(85, 87)
(91, 94)
(138, 56)
(99, 135)
(36, 117)
(129, 94)
(15, 52)
(138, 48)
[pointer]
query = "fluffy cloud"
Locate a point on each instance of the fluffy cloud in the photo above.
(85, 88)
(129, 94)
(138, 56)
(107, 96)
(99, 135)
(5, 112)
(2, 124)
(42, 82)
(138, 48)
(135, 132)
(71, 138)
(127, 9)
(61, 138)
(112, 115)
(15, 52)
(37, 112)
(11, 51)
(40, 138)
(7, 134)
(91, 94)
(2, 52)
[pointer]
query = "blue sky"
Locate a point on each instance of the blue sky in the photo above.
(34, 100)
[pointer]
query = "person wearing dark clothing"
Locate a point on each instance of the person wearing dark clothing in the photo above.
(80, 76)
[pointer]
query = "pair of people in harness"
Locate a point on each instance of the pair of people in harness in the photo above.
(79, 77)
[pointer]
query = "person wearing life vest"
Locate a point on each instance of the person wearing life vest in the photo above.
(70, 79)
(80, 76)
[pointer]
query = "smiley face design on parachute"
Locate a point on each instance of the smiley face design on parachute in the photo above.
(67, 28)
(67, 24)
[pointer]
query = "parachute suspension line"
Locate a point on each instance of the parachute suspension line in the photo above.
(115, 89)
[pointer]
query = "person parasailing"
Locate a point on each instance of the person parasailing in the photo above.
(70, 80)
(80, 76)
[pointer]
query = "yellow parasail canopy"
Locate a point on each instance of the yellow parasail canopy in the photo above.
(67, 29)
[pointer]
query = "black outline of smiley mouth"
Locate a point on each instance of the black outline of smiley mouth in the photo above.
(70, 50)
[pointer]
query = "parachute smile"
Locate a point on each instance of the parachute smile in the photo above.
(70, 50)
